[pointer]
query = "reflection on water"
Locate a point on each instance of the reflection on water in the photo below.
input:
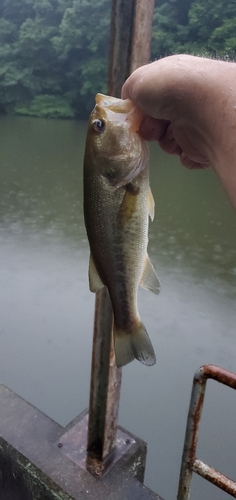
(47, 310)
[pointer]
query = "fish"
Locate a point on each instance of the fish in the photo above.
(117, 204)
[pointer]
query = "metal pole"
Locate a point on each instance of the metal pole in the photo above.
(104, 388)
(122, 28)
(142, 33)
(125, 52)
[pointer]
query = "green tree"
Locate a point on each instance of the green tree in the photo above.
(207, 19)
(17, 11)
(223, 39)
(47, 106)
(54, 53)
(8, 32)
(29, 65)
(170, 27)
(206, 15)
(10, 73)
(48, 11)
(36, 52)
(197, 27)
(82, 45)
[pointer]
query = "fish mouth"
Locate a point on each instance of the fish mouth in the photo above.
(114, 104)
(123, 109)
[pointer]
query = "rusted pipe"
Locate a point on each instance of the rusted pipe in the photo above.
(189, 461)
(215, 477)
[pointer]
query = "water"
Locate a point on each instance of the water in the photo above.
(46, 315)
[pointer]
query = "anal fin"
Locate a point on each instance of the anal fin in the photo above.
(95, 282)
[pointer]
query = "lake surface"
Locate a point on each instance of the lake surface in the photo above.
(46, 315)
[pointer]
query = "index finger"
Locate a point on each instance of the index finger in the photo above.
(152, 129)
(130, 89)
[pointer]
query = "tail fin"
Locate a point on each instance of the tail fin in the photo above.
(136, 344)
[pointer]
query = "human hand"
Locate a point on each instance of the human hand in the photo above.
(182, 98)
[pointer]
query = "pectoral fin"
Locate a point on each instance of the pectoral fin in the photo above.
(95, 282)
(149, 279)
(151, 204)
(129, 204)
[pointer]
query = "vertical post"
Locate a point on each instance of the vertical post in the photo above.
(121, 41)
(142, 33)
(104, 387)
(125, 53)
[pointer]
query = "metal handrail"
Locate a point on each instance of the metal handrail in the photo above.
(190, 463)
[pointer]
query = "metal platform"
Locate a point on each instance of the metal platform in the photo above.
(37, 462)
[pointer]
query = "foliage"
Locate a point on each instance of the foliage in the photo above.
(53, 53)
(47, 106)
(82, 48)
(223, 39)
(194, 26)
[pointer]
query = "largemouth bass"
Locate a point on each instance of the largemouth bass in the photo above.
(117, 204)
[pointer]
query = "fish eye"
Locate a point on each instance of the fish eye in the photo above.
(98, 125)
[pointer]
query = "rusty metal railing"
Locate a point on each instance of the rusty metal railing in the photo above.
(190, 463)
